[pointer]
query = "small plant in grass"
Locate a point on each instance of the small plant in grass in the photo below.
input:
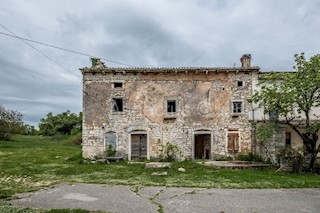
(111, 152)
(169, 152)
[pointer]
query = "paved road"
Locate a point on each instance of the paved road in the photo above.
(151, 199)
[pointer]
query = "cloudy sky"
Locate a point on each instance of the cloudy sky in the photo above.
(147, 33)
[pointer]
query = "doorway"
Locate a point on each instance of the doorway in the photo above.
(202, 146)
(139, 148)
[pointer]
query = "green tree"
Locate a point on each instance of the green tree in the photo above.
(10, 123)
(293, 96)
(65, 123)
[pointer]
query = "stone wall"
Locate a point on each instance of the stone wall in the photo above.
(204, 105)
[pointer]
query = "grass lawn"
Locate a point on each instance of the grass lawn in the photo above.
(32, 162)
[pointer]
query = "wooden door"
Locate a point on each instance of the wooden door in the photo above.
(139, 146)
(198, 146)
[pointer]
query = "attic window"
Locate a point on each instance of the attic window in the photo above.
(117, 105)
(171, 106)
(239, 83)
(118, 85)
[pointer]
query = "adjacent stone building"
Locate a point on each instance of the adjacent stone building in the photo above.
(203, 110)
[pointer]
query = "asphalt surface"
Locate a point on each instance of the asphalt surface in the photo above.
(171, 199)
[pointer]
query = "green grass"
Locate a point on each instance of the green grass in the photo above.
(15, 209)
(28, 163)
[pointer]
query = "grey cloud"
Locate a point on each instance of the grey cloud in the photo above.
(142, 33)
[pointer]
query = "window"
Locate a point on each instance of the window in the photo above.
(233, 142)
(171, 106)
(237, 107)
(288, 139)
(273, 115)
(118, 85)
(239, 83)
(117, 105)
(110, 139)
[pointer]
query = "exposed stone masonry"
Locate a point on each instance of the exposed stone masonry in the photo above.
(204, 105)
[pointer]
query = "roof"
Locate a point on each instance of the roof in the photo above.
(165, 69)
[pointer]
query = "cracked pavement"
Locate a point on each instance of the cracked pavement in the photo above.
(171, 199)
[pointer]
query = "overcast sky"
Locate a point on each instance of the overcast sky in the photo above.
(146, 33)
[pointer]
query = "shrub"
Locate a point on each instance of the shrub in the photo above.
(292, 157)
(222, 158)
(250, 157)
(77, 139)
(57, 137)
(111, 152)
(168, 151)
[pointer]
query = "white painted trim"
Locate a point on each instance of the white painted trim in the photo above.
(201, 133)
(129, 147)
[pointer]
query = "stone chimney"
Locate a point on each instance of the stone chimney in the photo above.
(97, 63)
(245, 60)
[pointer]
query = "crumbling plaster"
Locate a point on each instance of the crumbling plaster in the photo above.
(204, 103)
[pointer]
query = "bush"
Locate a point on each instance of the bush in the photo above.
(57, 137)
(292, 157)
(111, 152)
(250, 157)
(168, 152)
(77, 139)
(222, 158)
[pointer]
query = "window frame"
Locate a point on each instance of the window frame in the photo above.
(118, 82)
(174, 107)
(242, 83)
(233, 108)
(113, 104)
(170, 115)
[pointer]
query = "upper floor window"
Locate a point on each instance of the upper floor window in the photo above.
(117, 104)
(237, 107)
(117, 85)
(273, 115)
(171, 106)
(239, 83)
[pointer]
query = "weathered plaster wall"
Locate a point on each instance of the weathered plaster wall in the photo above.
(204, 103)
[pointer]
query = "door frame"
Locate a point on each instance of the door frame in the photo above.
(201, 132)
(129, 144)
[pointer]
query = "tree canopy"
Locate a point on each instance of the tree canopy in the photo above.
(10, 122)
(294, 96)
(65, 123)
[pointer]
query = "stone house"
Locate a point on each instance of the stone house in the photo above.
(202, 110)
(286, 136)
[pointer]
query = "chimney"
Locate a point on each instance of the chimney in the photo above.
(245, 60)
